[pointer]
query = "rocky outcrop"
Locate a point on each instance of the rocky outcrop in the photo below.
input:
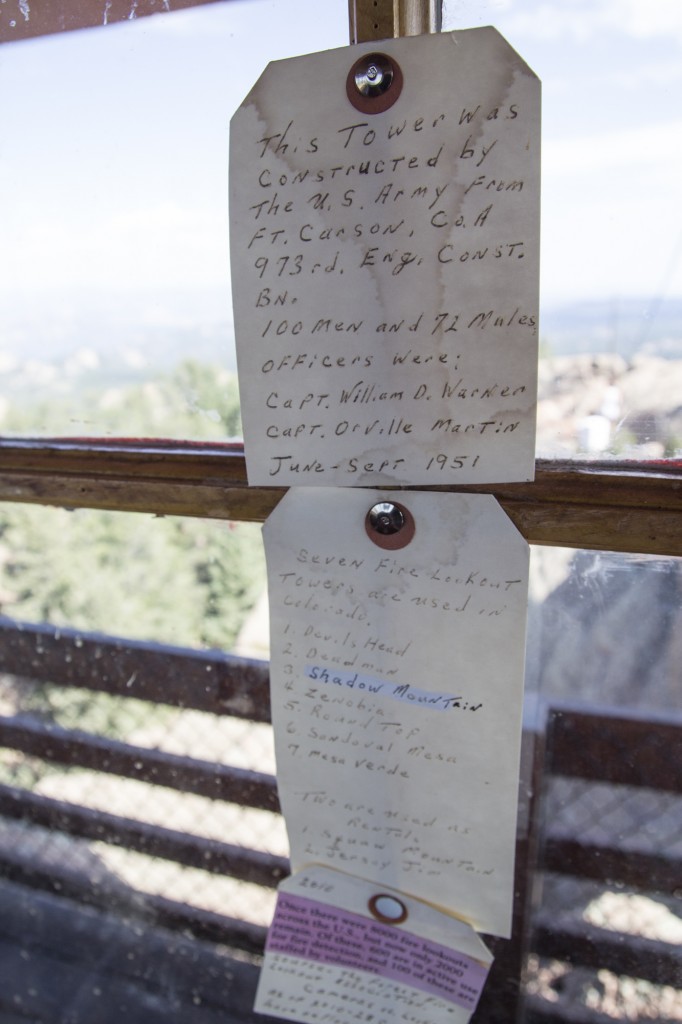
(639, 403)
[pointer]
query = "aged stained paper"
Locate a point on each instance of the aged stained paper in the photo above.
(385, 268)
(397, 681)
(330, 957)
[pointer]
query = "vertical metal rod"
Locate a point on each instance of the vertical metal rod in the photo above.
(387, 19)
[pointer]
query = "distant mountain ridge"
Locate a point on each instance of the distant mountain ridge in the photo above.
(623, 326)
(164, 327)
(160, 327)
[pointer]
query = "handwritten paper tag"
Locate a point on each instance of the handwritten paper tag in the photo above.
(385, 266)
(339, 949)
(397, 681)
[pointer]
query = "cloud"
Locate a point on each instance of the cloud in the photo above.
(655, 144)
(644, 19)
(581, 20)
(166, 243)
(165, 217)
(644, 76)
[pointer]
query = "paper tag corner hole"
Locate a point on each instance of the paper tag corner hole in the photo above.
(387, 908)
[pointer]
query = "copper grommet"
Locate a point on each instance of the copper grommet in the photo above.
(374, 83)
(387, 909)
(390, 525)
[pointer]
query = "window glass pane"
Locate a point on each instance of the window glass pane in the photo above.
(114, 265)
(605, 628)
(611, 281)
(603, 652)
(73, 581)
(114, 282)
(179, 581)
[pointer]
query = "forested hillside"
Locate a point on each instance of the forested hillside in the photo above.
(180, 581)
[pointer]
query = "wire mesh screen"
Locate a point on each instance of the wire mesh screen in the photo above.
(624, 935)
(598, 912)
(192, 734)
(637, 819)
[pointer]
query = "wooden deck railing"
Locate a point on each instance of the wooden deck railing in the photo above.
(597, 747)
(209, 682)
(628, 752)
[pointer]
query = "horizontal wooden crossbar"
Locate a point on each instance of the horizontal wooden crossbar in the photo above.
(614, 749)
(187, 775)
(586, 946)
(117, 898)
(627, 867)
(202, 680)
(603, 506)
(238, 862)
(622, 749)
(599, 746)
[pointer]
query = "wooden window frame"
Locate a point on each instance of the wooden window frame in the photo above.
(611, 506)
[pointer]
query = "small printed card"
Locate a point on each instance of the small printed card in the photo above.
(341, 950)
(397, 683)
(384, 224)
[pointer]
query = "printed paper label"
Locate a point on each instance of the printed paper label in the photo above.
(329, 935)
(326, 961)
(385, 268)
(397, 683)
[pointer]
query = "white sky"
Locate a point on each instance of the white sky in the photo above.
(114, 145)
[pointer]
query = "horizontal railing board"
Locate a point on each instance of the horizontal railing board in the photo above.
(631, 956)
(131, 905)
(202, 680)
(613, 506)
(187, 775)
(639, 870)
(578, 741)
(193, 851)
(19, 22)
(622, 749)
(54, 915)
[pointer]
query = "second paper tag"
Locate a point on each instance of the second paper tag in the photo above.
(397, 654)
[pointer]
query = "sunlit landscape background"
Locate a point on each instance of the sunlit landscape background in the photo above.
(115, 321)
(114, 265)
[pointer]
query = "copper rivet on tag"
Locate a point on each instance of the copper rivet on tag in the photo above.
(374, 83)
(387, 909)
(389, 525)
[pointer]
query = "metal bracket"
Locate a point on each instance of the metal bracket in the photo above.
(371, 20)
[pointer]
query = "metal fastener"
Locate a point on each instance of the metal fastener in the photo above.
(389, 525)
(386, 518)
(374, 75)
(374, 83)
